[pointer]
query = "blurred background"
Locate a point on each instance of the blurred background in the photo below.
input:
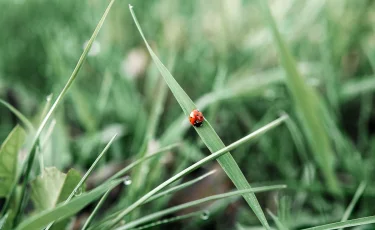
(223, 55)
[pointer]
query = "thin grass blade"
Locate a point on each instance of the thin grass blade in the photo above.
(20, 116)
(96, 209)
(180, 187)
(345, 224)
(171, 220)
(361, 188)
(278, 223)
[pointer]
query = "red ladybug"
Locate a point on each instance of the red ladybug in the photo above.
(196, 118)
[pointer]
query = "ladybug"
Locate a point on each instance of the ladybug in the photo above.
(196, 118)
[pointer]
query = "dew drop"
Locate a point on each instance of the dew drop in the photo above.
(205, 215)
(127, 180)
(78, 192)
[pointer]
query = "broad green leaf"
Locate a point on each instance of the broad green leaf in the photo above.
(52, 187)
(8, 159)
(307, 103)
(345, 224)
(207, 133)
(62, 210)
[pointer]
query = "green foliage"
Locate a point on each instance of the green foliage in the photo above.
(241, 63)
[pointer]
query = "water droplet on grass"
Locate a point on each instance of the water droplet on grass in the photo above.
(127, 180)
(78, 192)
(205, 215)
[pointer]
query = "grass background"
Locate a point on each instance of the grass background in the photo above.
(223, 55)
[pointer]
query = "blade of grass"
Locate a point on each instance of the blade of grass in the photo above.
(207, 133)
(137, 162)
(179, 187)
(345, 224)
(307, 104)
(65, 210)
(357, 195)
(171, 220)
(97, 207)
(26, 167)
(198, 164)
(278, 223)
(20, 116)
(84, 178)
(196, 202)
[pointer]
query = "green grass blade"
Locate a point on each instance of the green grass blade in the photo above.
(345, 224)
(353, 202)
(171, 220)
(64, 210)
(278, 223)
(207, 133)
(307, 104)
(139, 161)
(84, 178)
(179, 187)
(26, 167)
(196, 202)
(198, 164)
(20, 116)
(97, 207)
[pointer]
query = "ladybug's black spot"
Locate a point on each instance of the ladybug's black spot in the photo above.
(198, 124)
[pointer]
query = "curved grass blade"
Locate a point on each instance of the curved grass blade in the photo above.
(196, 202)
(26, 167)
(170, 220)
(179, 187)
(345, 224)
(84, 178)
(278, 223)
(196, 165)
(207, 133)
(97, 207)
(357, 195)
(137, 162)
(20, 116)
(307, 104)
(65, 210)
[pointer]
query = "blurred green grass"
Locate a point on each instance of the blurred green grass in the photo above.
(223, 55)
